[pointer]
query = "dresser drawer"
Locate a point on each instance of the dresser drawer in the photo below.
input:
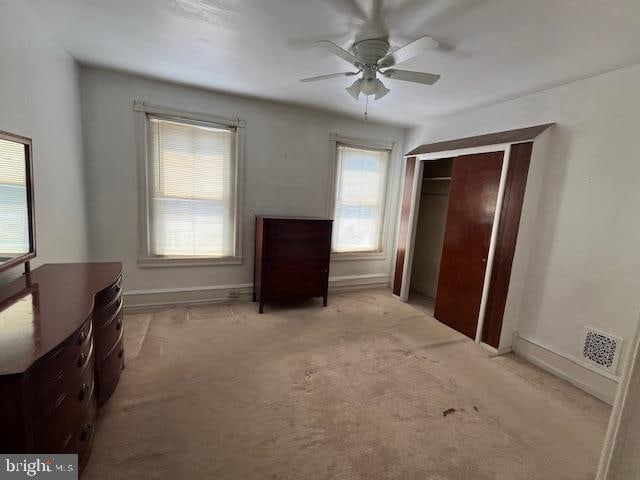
(109, 294)
(108, 335)
(47, 402)
(56, 431)
(70, 357)
(293, 250)
(299, 231)
(108, 312)
(82, 435)
(303, 267)
(284, 287)
(108, 372)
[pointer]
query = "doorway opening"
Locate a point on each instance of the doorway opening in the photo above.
(429, 237)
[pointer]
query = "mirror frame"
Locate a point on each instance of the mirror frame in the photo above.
(25, 258)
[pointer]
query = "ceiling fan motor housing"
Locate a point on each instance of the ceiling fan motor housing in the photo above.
(372, 50)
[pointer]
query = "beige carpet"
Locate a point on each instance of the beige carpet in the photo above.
(356, 390)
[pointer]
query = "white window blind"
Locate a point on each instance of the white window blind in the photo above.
(14, 217)
(191, 189)
(361, 177)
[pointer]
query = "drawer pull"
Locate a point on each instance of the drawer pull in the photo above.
(119, 324)
(81, 338)
(83, 392)
(82, 359)
(85, 432)
(121, 353)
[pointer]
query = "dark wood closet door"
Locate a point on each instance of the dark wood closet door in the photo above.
(472, 205)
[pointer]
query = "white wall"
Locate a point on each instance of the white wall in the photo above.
(432, 218)
(286, 173)
(584, 263)
(39, 98)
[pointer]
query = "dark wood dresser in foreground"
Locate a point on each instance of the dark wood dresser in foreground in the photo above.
(61, 355)
(292, 259)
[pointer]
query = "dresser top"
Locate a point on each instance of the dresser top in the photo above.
(41, 310)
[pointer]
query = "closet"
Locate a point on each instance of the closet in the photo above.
(430, 227)
(456, 212)
(458, 229)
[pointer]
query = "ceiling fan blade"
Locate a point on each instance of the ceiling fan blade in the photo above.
(411, 12)
(418, 15)
(410, 50)
(377, 7)
(340, 52)
(327, 77)
(349, 8)
(409, 76)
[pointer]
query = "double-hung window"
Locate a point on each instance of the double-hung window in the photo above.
(13, 200)
(191, 201)
(360, 198)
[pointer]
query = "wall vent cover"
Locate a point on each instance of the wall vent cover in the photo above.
(602, 349)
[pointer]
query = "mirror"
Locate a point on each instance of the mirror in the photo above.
(17, 233)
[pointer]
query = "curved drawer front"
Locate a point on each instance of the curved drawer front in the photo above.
(73, 384)
(56, 430)
(108, 335)
(106, 296)
(108, 312)
(108, 372)
(82, 435)
(70, 357)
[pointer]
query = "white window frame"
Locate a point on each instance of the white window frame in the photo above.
(146, 259)
(335, 140)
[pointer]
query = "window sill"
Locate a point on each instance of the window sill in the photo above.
(162, 262)
(350, 256)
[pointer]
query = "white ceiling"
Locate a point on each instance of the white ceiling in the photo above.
(492, 50)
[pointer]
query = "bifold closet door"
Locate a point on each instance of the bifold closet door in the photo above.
(472, 205)
(403, 234)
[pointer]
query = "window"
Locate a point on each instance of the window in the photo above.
(191, 189)
(13, 200)
(361, 178)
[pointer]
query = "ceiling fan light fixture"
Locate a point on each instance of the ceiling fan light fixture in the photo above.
(381, 91)
(355, 89)
(369, 86)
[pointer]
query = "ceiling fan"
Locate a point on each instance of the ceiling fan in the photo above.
(374, 56)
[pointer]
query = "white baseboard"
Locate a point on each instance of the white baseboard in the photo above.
(145, 300)
(358, 282)
(495, 351)
(601, 385)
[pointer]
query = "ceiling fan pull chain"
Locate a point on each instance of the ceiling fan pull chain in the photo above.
(366, 106)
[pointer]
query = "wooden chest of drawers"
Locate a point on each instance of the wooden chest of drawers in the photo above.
(60, 356)
(291, 259)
